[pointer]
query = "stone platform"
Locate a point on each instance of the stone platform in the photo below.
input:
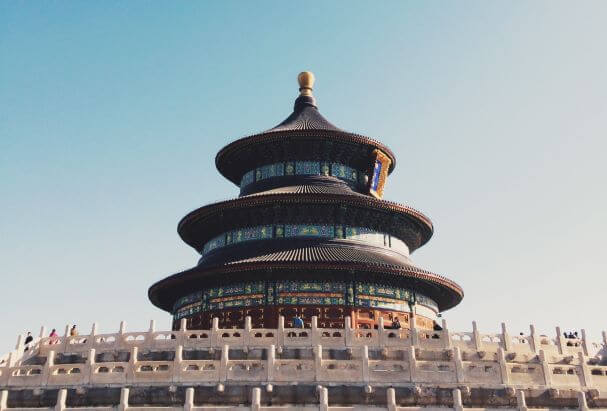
(312, 368)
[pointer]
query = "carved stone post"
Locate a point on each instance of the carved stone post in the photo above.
(223, 368)
(349, 332)
(324, 399)
(281, 331)
(535, 341)
(584, 342)
(457, 400)
(124, 399)
(3, 400)
(365, 363)
(61, 397)
(256, 399)
(520, 400)
(559, 340)
(545, 368)
(478, 344)
(215, 333)
(318, 363)
(501, 358)
(459, 366)
(444, 335)
(587, 382)
(412, 363)
(315, 333)
(391, 399)
(506, 338)
(189, 399)
(271, 362)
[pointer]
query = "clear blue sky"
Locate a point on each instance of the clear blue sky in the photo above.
(111, 114)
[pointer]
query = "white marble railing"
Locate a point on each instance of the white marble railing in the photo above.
(459, 358)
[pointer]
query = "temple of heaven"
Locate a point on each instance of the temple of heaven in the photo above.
(309, 235)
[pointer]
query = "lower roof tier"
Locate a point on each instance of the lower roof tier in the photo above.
(286, 207)
(327, 261)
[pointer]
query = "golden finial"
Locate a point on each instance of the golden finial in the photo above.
(306, 82)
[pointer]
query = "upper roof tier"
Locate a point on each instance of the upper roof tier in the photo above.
(304, 139)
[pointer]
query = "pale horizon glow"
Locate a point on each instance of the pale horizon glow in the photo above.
(111, 115)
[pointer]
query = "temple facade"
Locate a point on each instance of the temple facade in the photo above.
(309, 236)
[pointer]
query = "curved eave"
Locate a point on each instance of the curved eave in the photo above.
(222, 158)
(271, 200)
(451, 293)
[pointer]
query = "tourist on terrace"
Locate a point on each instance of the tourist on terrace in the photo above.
(298, 322)
(53, 337)
(74, 331)
(28, 340)
(396, 323)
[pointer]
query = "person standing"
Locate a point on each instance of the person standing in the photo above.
(74, 331)
(28, 340)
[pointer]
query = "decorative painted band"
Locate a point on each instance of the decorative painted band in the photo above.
(349, 174)
(285, 292)
(281, 231)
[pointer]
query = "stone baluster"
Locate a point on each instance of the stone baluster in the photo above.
(152, 326)
(587, 380)
(247, 338)
(506, 341)
(414, 339)
(315, 333)
(324, 399)
(365, 363)
(478, 344)
(271, 362)
(584, 343)
(124, 399)
(604, 333)
(391, 399)
(3, 400)
(581, 401)
(178, 359)
(535, 340)
(318, 363)
(412, 363)
(560, 343)
(215, 335)
(281, 331)
(501, 359)
(50, 362)
(189, 399)
(349, 332)
(457, 400)
(61, 397)
(91, 341)
(66, 336)
(545, 368)
(42, 332)
(122, 328)
(255, 399)
(380, 332)
(223, 368)
(183, 325)
(445, 336)
(520, 401)
(459, 365)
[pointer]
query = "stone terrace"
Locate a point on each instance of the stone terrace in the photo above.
(310, 368)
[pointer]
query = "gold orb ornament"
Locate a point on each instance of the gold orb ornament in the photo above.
(306, 83)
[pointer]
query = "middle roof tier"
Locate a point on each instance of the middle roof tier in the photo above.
(333, 208)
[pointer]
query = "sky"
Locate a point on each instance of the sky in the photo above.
(111, 114)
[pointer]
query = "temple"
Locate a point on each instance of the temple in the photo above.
(309, 236)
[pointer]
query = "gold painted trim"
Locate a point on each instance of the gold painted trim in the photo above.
(385, 162)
